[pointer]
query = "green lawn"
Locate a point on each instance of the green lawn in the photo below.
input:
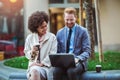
(17, 62)
(111, 61)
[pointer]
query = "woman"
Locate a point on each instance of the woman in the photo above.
(38, 45)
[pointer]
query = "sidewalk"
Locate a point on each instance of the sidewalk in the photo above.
(5, 71)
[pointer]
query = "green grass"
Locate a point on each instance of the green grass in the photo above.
(111, 61)
(17, 62)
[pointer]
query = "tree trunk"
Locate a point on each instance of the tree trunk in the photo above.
(89, 24)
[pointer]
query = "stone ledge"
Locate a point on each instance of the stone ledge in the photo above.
(89, 75)
(104, 75)
(18, 76)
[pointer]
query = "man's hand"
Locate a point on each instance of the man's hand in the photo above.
(76, 60)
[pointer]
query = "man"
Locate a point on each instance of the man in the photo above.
(72, 39)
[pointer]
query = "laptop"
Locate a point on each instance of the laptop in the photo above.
(62, 60)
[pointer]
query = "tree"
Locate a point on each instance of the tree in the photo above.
(89, 23)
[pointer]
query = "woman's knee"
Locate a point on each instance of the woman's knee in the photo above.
(34, 73)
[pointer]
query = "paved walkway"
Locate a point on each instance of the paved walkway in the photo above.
(5, 71)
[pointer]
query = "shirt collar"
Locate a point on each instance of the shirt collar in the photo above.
(46, 36)
(73, 28)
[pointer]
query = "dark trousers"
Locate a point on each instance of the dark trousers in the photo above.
(71, 73)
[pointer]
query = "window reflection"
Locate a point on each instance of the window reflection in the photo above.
(11, 27)
(5, 26)
(56, 1)
(73, 1)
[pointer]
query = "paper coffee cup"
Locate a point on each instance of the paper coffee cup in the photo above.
(98, 68)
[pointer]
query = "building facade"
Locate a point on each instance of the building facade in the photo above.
(109, 18)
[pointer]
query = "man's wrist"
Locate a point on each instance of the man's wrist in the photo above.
(76, 60)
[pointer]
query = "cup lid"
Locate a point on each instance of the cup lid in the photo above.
(98, 65)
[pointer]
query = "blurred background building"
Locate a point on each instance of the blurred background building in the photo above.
(14, 20)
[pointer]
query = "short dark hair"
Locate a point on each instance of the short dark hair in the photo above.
(36, 19)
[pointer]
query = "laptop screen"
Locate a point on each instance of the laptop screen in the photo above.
(63, 60)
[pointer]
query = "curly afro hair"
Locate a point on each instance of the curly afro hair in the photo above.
(36, 19)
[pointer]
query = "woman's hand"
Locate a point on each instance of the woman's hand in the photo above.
(34, 49)
(37, 64)
(35, 52)
(41, 64)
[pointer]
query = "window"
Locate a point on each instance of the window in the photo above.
(73, 1)
(56, 1)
